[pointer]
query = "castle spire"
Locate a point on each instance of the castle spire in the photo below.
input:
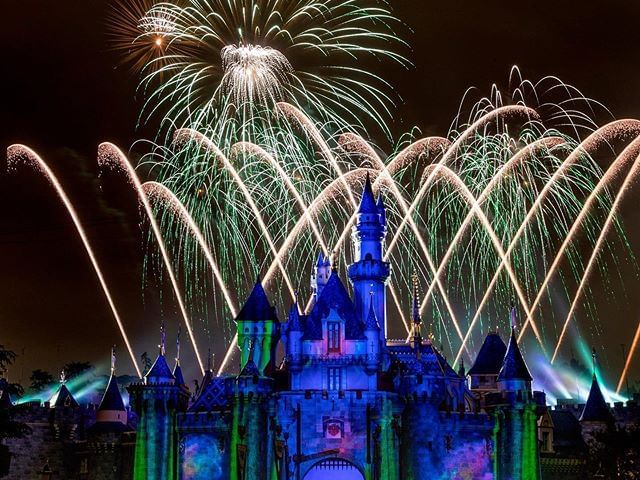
(113, 360)
(178, 345)
(163, 339)
(596, 408)
(368, 201)
(513, 365)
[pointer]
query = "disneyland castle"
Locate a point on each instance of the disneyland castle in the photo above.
(345, 402)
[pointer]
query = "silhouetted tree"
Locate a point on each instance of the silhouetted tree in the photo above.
(40, 380)
(146, 362)
(75, 369)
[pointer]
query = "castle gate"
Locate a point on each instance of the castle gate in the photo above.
(334, 469)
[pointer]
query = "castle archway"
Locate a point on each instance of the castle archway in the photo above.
(335, 469)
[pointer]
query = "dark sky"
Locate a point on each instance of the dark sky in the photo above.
(63, 93)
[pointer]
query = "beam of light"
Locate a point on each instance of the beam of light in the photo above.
(111, 156)
(17, 153)
(627, 155)
(596, 249)
(593, 141)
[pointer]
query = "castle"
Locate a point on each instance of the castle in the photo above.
(345, 402)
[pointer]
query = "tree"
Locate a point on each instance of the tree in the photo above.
(146, 362)
(7, 357)
(40, 380)
(75, 369)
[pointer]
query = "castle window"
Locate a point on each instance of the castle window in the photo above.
(333, 334)
(334, 381)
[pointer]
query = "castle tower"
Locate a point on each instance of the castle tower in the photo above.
(321, 274)
(258, 325)
(251, 437)
(515, 434)
(111, 408)
(110, 440)
(156, 401)
(370, 272)
(596, 416)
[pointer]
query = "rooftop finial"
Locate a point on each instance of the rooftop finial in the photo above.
(513, 316)
(63, 377)
(113, 359)
(163, 338)
(594, 356)
(178, 345)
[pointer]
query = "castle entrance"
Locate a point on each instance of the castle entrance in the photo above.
(334, 469)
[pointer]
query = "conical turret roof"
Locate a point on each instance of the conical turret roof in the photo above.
(64, 398)
(490, 356)
(112, 400)
(294, 324)
(596, 408)
(160, 372)
(368, 201)
(177, 373)
(257, 307)
(513, 365)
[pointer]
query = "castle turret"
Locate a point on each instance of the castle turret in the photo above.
(258, 325)
(370, 272)
(110, 439)
(111, 408)
(157, 401)
(320, 275)
(514, 408)
(483, 374)
(596, 416)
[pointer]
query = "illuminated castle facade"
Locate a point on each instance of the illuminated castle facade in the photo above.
(345, 402)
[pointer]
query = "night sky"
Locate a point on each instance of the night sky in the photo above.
(64, 92)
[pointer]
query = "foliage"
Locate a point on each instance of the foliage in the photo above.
(40, 380)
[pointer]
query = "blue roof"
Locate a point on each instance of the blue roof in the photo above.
(250, 369)
(112, 400)
(334, 296)
(160, 372)
(513, 365)
(64, 398)
(294, 324)
(177, 373)
(257, 307)
(490, 356)
(368, 201)
(596, 408)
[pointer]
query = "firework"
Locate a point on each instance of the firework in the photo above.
(220, 67)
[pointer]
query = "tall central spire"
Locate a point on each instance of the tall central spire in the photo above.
(369, 271)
